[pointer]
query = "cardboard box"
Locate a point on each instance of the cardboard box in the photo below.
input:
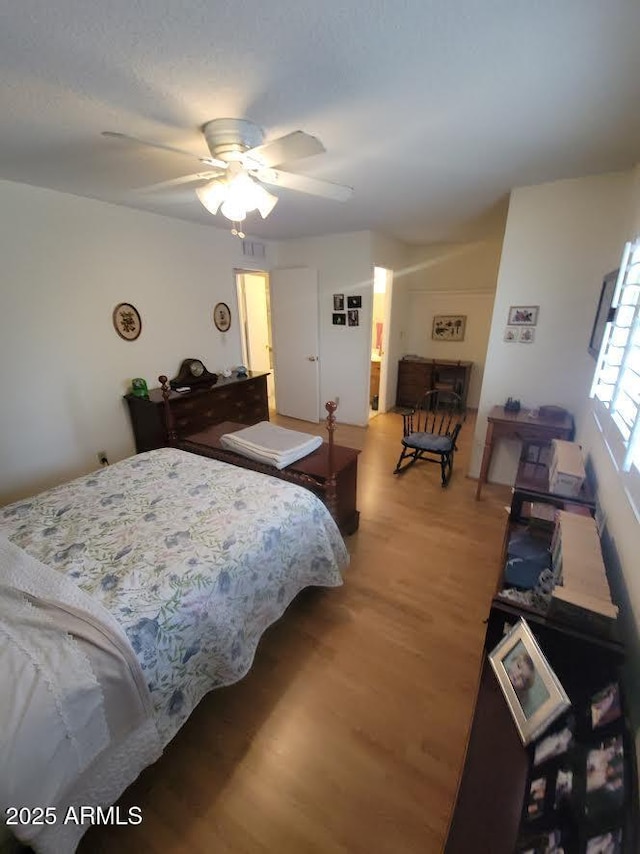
(566, 472)
(578, 564)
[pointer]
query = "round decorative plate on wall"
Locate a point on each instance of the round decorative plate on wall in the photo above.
(126, 321)
(222, 316)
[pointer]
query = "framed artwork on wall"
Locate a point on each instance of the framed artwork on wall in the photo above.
(126, 321)
(222, 316)
(448, 327)
(604, 313)
(523, 315)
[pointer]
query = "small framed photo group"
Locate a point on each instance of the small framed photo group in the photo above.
(575, 795)
(350, 317)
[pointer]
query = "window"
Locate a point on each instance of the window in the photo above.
(616, 384)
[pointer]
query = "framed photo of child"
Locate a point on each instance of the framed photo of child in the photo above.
(532, 690)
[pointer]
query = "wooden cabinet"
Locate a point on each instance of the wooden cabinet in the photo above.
(238, 399)
(497, 769)
(416, 376)
(586, 655)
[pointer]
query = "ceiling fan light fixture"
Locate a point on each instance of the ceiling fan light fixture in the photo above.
(236, 197)
(233, 210)
(212, 195)
(266, 201)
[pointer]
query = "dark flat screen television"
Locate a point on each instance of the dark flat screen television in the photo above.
(604, 314)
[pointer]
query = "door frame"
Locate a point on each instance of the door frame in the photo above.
(386, 336)
(243, 322)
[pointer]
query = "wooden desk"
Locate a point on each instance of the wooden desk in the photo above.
(419, 375)
(312, 472)
(520, 425)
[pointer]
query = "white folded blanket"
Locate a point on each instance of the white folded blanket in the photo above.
(269, 444)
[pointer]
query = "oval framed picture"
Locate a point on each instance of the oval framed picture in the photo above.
(222, 316)
(126, 321)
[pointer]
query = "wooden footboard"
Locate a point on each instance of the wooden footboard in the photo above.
(330, 471)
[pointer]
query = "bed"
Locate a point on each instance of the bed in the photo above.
(125, 596)
(330, 471)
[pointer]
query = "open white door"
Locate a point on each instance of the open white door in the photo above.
(294, 332)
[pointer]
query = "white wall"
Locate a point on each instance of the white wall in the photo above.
(454, 267)
(621, 534)
(560, 240)
(477, 307)
(66, 263)
(345, 266)
(445, 279)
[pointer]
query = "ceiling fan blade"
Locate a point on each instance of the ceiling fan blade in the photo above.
(304, 184)
(211, 161)
(197, 177)
(293, 146)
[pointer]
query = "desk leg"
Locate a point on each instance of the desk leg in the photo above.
(486, 459)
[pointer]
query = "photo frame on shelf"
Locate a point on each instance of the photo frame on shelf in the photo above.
(605, 783)
(523, 315)
(535, 798)
(531, 689)
(611, 842)
(448, 327)
(553, 745)
(605, 706)
(604, 313)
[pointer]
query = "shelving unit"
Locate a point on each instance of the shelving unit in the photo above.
(586, 654)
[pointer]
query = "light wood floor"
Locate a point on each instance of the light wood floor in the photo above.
(348, 734)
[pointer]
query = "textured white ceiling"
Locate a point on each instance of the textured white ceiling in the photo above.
(431, 110)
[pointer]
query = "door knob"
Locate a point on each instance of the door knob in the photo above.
(312, 358)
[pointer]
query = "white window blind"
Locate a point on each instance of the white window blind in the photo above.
(616, 384)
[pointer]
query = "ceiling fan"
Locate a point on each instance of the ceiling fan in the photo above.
(240, 164)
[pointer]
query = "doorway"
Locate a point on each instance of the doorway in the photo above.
(380, 314)
(254, 309)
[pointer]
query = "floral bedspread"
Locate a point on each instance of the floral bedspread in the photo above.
(195, 558)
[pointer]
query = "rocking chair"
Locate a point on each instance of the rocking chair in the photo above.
(430, 432)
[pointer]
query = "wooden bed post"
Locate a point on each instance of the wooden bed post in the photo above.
(331, 488)
(170, 424)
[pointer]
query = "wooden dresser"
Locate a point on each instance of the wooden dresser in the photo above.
(416, 376)
(241, 400)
